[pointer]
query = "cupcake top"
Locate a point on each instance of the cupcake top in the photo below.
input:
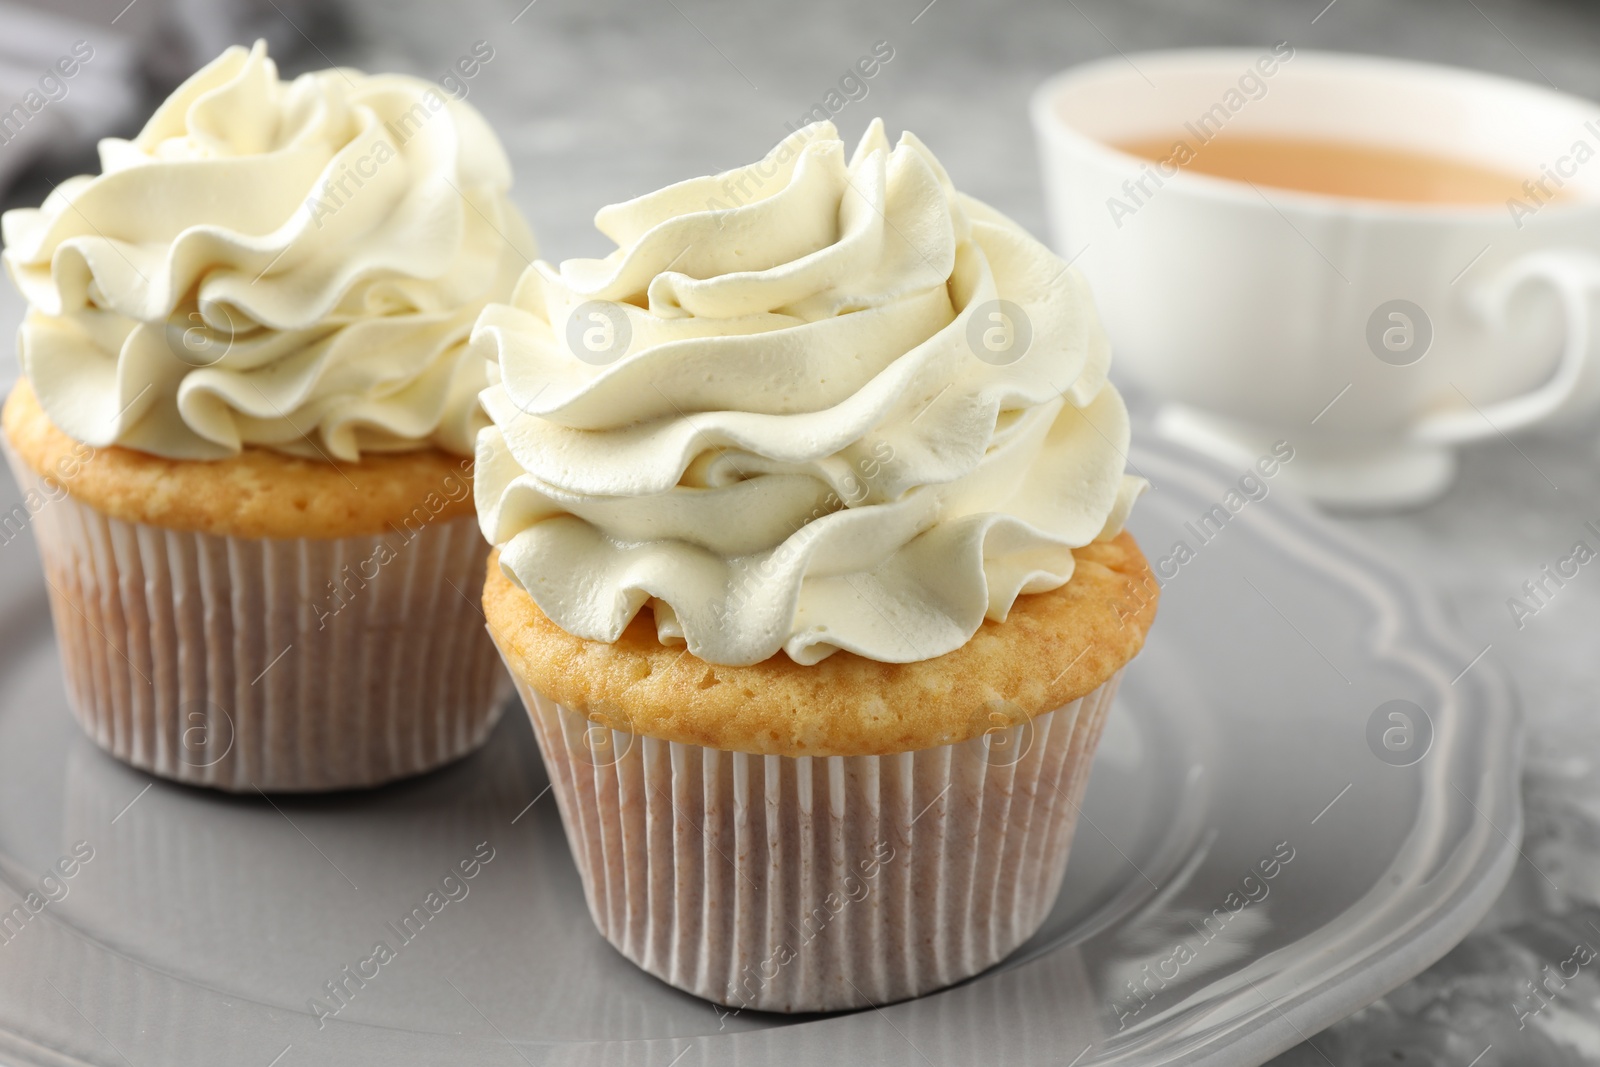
(812, 404)
(1053, 648)
(295, 265)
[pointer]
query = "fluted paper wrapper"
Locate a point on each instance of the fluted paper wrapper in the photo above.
(819, 883)
(270, 664)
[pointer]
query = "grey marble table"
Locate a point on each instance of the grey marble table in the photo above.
(600, 100)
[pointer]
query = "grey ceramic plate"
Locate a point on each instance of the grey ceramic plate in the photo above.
(1248, 868)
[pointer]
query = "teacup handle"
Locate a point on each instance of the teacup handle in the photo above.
(1574, 274)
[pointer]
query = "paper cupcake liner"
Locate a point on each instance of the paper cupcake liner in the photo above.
(819, 883)
(270, 664)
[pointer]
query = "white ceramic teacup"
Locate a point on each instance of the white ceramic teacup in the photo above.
(1374, 336)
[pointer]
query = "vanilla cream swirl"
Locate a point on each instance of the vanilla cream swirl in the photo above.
(811, 424)
(296, 265)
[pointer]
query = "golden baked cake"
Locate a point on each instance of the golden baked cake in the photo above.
(257, 493)
(1052, 649)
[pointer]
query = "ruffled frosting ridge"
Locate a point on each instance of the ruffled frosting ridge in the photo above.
(296, 265)
(813, 404)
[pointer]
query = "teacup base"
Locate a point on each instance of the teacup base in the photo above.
(1390, 476)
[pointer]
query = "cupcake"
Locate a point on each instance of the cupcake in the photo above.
(245, 426)
(808, 504)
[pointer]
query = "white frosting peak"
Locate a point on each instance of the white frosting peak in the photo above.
(812, 404)
(291, 264)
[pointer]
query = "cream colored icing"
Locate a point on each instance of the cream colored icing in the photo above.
(290, 264)
(784, 415)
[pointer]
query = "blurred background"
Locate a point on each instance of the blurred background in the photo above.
(601, 100)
